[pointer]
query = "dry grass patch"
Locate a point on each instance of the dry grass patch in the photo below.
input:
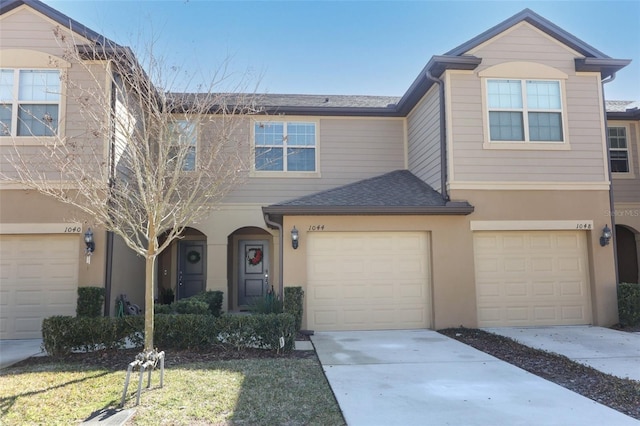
(245, 391)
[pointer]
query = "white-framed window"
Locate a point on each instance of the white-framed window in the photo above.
(184, 142)
(29, 102)
(525, 110)
(619, 149)
(285, 146)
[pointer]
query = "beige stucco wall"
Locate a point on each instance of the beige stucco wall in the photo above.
(452, 257)
(560, 206)
(21, 209)
(452, 291)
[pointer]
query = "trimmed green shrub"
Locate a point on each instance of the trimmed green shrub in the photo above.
(62, 335)
(184, 331)
(213, 299)
(258, 331)
(90, 300)
(629, 303)
(269, 304)
(162, 309)
(294, 303)
(190, 306)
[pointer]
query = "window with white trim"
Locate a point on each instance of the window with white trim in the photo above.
(618, 149)
(29, 102)
(285, 146)
(184, 141)
(524, 110)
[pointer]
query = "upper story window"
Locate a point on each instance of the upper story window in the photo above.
(619, 149)
(184, 141)
(524, 110)
(285, 146)
(29, 102)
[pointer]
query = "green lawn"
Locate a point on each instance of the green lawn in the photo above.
(273, 391)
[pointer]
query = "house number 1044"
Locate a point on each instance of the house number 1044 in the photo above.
(316, 227)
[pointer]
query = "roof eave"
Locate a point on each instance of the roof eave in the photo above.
(458, 209)
(332, 111)
(436, 66)
(630, 114)
(605, 66)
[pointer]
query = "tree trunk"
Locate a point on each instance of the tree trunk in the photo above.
(148, 299)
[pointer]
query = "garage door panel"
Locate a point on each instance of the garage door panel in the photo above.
(387, 290)
(543, 281)
(39, 279)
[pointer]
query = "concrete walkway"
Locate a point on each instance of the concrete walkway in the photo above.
(420, 377)
(12, 351)
(610, 351)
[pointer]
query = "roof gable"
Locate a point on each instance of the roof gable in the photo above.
(58, 17)
(544, 25)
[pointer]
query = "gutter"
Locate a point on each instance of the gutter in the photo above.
(612, 215)
(443, 136)
(272, 224)
(450, 208)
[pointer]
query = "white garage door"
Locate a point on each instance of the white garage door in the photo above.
(38, 279)
(528, 278)
(367, 281)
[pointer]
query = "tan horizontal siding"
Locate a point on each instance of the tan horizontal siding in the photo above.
(27, 30)
(423, 133)
(349, 150)
(583, 162)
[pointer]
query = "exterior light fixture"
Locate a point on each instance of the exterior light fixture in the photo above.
(294, 238)
(88, 240)
(606, 236)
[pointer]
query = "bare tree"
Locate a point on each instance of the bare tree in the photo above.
(148, 161)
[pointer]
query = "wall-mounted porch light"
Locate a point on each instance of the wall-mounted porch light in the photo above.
(294, 238)
(88, 241)
(606, 236)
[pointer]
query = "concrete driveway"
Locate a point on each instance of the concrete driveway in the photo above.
(420, 377)
(12, 351)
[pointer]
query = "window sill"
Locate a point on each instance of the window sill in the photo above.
(622, 176)
(296, 175)
(528, 146)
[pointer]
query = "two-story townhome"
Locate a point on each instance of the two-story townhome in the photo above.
(478, 198)
(624, 150)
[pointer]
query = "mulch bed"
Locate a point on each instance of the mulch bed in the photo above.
(620, 394)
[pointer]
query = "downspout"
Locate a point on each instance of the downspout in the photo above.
(269, 222)
(443, 137)
(611, 198)
(112, 171)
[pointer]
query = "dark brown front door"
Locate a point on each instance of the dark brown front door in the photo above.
(253, 274)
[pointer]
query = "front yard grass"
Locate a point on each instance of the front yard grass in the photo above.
(266, 391)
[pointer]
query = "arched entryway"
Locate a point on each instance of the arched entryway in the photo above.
(627, 247)
(250, 257)
(182, 267)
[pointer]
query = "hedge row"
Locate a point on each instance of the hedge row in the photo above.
(64, 334)
(629, 304)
